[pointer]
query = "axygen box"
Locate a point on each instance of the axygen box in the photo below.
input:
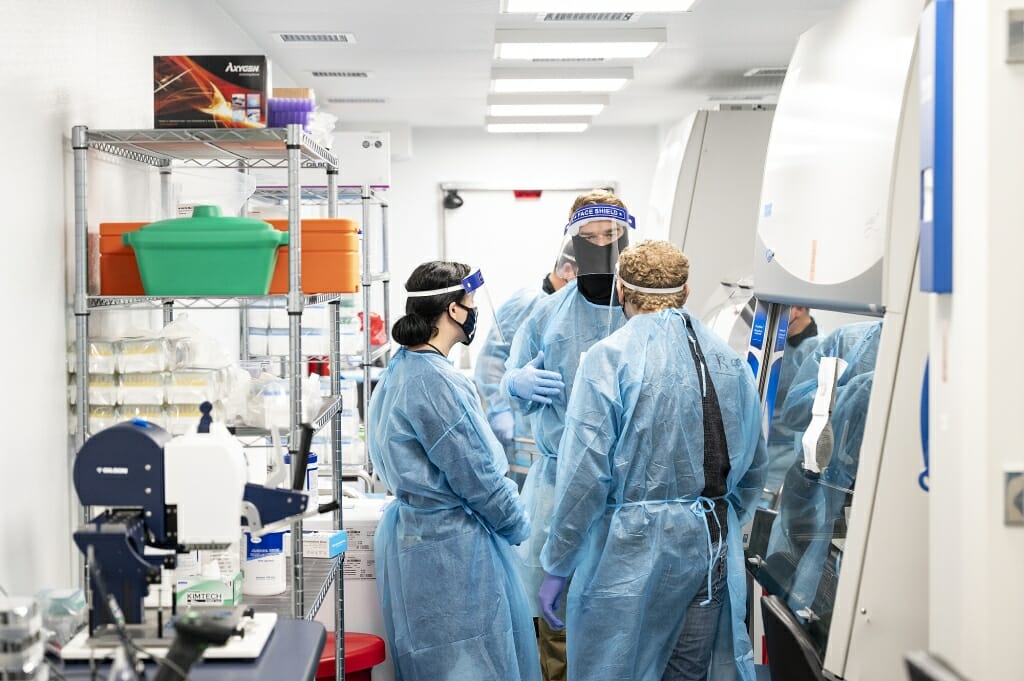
(214, 91)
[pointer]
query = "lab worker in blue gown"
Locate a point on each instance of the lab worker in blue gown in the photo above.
(545, 353)
(511, 426)
(783, 441)
(661, 463)
(798, 563)
(454, 606)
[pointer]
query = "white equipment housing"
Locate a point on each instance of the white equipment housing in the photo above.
(205, 478)
(704, 195)
(838, 230)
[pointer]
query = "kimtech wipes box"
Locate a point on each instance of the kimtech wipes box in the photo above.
(214, 91)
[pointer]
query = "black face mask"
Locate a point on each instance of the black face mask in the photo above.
(596, 264)
(469, 326)
(546, 286)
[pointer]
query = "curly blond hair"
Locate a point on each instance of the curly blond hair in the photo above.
(595, 197)
(654, 264)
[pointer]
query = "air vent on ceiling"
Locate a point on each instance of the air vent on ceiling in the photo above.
(356, 100)
(766, 72)
(340, 74)
(566, 60)
(616, 17)
(316, 38)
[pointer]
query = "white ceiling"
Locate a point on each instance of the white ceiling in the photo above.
(431, 59)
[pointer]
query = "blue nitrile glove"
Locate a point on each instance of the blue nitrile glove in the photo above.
(548, 594)
(533, 383)
(502, 425)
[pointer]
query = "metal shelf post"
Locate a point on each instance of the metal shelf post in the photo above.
(80, 149)
(367, 281)
(295, 347)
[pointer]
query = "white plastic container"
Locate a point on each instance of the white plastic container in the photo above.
(350, 421)
(310, 486)
(264, 565)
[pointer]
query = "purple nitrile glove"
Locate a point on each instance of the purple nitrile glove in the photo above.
(548, 594)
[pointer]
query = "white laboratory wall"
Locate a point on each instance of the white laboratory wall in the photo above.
(626, 156)
(65, 62)
(976, 588)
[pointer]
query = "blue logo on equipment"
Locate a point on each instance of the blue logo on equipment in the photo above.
(769, 255)
(767, 210)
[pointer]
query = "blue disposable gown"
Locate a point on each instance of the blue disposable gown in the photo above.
(630, 470)
(454, 607)
(783, 440)
(564, 325)
(856, 343)
(809, 506)
(808, 517)
(490, 367)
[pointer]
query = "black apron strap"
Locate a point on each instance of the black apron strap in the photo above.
(716, 447)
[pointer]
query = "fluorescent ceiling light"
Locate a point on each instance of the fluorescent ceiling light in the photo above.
(583, 44)
(545, 109)
(559, 85)
(538, 124)
(546, 105)
(559, 80)
(510, 6)
(536, 127)
(574, 50)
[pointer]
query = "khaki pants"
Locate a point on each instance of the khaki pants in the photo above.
(551, 643)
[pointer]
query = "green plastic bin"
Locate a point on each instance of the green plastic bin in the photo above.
(206, 255)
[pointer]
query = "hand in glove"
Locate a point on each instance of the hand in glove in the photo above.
(533, 383)
(548, 594)
(502, 426)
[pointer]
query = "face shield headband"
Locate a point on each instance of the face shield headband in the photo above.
(473, 283)
(470, 283)
(646, 289)
(599, 211)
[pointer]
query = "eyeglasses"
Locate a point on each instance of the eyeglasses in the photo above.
(602, 236)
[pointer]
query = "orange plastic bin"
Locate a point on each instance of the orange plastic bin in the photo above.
(330, 256)
(119, 273)
(363, 652)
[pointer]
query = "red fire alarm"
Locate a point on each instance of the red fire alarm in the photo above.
(527, 193)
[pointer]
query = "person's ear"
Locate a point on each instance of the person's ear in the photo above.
(620, 291)
(686, 293)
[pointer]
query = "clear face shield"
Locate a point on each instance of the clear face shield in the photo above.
(598, 233)
(479, 307)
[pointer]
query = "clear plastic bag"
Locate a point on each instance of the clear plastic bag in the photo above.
(100, 417)
(194, 386)
(269, 401)
(193, 347)
(148, 388)
(143, 355)
(102, 357)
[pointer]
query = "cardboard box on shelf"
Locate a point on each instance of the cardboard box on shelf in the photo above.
(201, 591)
(294, 93)
(360, 534)
(360, 565)
(210, 91)
(321, 544)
